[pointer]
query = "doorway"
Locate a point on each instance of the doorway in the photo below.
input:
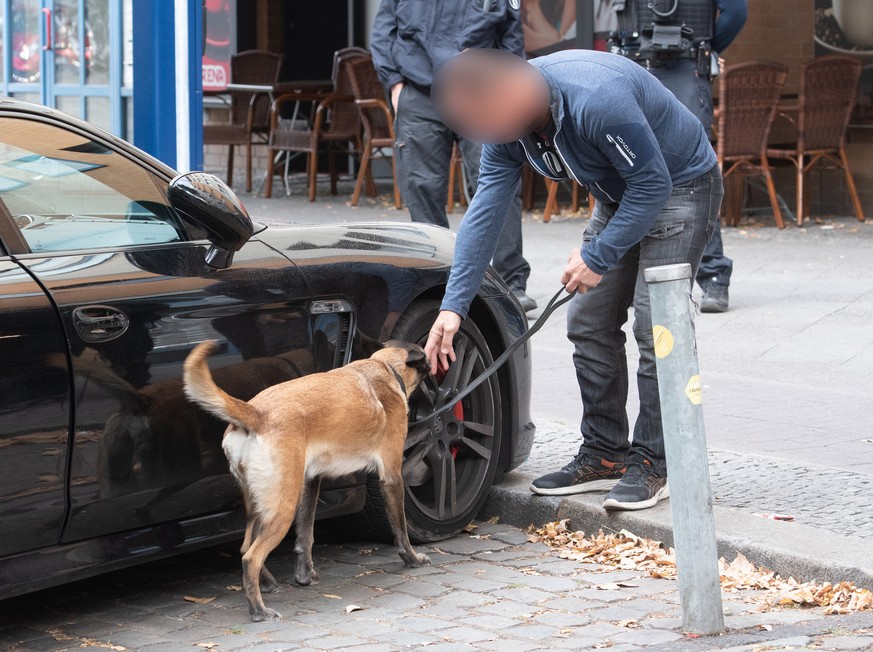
(72, 55)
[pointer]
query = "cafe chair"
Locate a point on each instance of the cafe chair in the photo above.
(457, 178)
(748, 98)
(378, 124)
(336, 123)
(828, 93)
(249, 113)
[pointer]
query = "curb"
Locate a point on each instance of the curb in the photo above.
(791, 549)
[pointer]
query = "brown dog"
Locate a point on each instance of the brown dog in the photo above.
(282, 442)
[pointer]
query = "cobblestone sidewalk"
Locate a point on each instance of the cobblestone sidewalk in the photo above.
(492, 590)
(815, 495)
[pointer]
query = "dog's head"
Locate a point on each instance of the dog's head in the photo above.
(407, 360)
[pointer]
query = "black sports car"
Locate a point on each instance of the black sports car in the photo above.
(112, 268)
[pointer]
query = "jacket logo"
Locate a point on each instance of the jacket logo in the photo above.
(623, 148)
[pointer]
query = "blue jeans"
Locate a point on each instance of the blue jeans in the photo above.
(595, 320)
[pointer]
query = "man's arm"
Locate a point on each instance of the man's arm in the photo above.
(619, 129)
(732, 15)
(382, 40)
(499, 176)
(511, 37)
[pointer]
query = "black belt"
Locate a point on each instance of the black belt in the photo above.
(654, 58)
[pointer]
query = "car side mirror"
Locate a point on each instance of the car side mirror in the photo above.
(206, 201)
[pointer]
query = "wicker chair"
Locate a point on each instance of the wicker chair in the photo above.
(828, 93)
(336, 122)
(249, 112)
(377, 119)
(748, 97)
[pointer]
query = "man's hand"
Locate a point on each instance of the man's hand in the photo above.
(577, 276)
(439, 350)
(395, 95)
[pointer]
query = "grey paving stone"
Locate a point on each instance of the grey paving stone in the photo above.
(369, 647)
(381, 580)
(475, 584)
(449, 647)
(423, 588)
(508, 609)
(425, 623)
(512, 536)
(522, 593)
(796, 642)
(547, 583)
(647, 637)
(533, 631)
(596, 595)
(490, 622)
(404, 639)
(504, 644)
(599, 631)
(467, 634)
(563, 619)
(849, 642)
(334, 642)
(616, 613)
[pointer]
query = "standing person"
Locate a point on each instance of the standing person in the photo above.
(410, 41)
(687, 66)
(604, 121)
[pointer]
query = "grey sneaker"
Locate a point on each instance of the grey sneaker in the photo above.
(715, 298)
(640, 488)
(526, 302)
(585, 473)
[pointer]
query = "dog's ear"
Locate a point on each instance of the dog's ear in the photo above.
(416, 359)
(366, 346)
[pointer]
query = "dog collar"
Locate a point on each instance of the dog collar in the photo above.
(399, 380)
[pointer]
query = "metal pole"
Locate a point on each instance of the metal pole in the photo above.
(685, 446)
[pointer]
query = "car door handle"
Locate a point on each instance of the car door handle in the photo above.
(99, 323)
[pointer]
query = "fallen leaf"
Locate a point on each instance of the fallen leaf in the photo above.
(470, 527)
(630, 623)
(353, 607)
(494, 520)
(609, 586)
(208, 646)
(765, 628)
(331, 595)
(233, 587)
(191, 598)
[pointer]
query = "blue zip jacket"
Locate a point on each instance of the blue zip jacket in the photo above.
(412, 39)
(620, 132)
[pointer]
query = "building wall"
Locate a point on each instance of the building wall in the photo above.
(782, 32)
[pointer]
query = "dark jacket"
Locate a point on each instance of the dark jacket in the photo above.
(620, 133)
(411, 39)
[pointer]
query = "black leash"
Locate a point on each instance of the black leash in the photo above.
(555, 303)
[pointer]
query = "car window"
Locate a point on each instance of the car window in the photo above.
(67, 192)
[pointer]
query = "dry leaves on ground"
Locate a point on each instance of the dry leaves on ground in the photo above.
(626, 551)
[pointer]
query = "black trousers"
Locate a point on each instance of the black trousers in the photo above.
(695, 93)
(424, 151)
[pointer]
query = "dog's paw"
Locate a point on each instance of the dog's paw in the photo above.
(306, 578)
(265, 614)
(417, 561)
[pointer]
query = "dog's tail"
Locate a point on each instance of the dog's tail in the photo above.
(202, 390)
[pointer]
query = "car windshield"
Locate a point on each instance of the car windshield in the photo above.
(67, 192)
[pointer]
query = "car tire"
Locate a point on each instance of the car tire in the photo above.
(450, 462)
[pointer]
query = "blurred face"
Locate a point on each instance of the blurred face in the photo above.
(491, 97)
